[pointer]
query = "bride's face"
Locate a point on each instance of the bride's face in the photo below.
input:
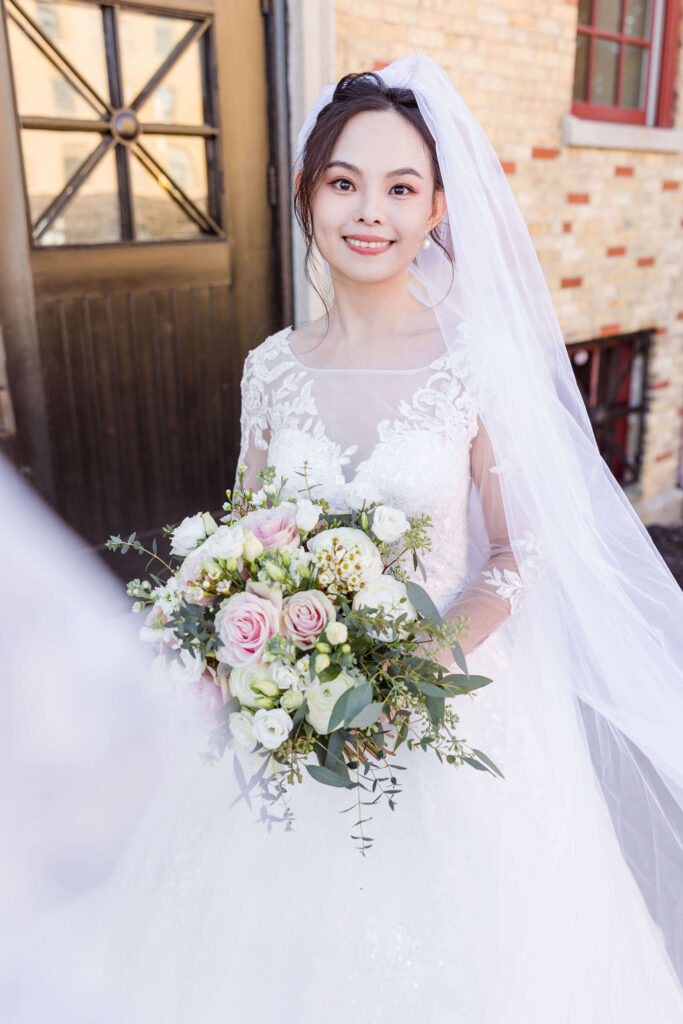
(378, 185)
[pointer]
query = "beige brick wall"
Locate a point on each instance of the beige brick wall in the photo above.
(607, 224)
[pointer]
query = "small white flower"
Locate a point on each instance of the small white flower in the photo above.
(252, 547)
(168, 597)
(291, 700)
(389, 523)
(259, 498)
(336, 633)
(242, 731)
(187, 535)
(271, 727)
(284, 674)
(307, 514)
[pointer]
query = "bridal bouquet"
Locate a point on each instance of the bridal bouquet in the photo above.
(302, 635)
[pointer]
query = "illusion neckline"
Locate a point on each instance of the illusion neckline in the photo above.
(349, 369)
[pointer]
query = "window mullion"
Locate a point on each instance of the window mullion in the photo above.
(113, 56)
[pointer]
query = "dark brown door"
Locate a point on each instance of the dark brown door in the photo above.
(144, 152)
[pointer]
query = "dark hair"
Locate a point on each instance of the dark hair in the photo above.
(354, 93)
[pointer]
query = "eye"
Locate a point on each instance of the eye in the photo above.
(400, 185)
(338, 181)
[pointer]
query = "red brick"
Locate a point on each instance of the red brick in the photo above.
(624, 172)
(509, 166)
(616, 250)
(679, 316)
(538, 153)
(577, 197)
(664, 455)
(607, 329)
(571, 282)
(646, 261)
(566, 226)
(670, 186)
(659, 330)
(659, 385)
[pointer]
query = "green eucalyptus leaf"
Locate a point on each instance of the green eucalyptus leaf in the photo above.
(467, 683)
(368, 716)
(421, 600)
(459, 656)
(359, 697)
(339, 710)
(476, 764)
(327, 776)
(487, 760)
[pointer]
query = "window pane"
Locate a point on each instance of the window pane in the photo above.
(157, 216)
(633, 92)
(146, 41)
(50, 160)
(93, 213)
(609, 15)
(585, 12)
(41, 89)
(178, 99)
(638, 19)
(75, 29)
(605, 78)
(581, 67)
(184, 160)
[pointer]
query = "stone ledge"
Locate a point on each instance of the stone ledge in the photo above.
(578, 131)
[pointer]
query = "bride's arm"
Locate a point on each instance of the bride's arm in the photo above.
(496, 591)
(254, 428)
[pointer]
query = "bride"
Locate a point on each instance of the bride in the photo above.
(436, 382)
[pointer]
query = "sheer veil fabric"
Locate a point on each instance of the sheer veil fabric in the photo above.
(607, 618)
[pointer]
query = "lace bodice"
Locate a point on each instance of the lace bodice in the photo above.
(411, 438)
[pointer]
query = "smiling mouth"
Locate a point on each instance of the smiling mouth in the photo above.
(368, 246)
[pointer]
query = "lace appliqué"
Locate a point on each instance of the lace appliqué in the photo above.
(508, 584)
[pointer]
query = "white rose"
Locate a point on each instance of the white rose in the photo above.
(283, 674)
(187, 535)
(357, 494)
(336, 633)
(242, 678)
(389, 523)
(240, 723)
(272, 727)
(188, 668)
(291, 700)
(387, 594)
(346, 558)
(227, 542)
(307, 514)
(322, 698)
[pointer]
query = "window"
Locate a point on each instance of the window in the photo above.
(118, 128)
(612, 377)
(625, 68)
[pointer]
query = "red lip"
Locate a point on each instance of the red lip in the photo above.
(368, 238)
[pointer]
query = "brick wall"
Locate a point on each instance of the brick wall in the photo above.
(607, 224)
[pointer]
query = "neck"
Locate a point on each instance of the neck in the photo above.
(364, 314)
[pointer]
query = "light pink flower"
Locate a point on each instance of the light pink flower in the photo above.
(202, 699)
(274, 527)
(305, 615)
(246, 622)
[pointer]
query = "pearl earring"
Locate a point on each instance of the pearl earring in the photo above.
(427, 242)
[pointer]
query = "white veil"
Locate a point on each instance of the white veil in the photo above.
(606, 620)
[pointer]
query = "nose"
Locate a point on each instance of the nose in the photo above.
(369, 209)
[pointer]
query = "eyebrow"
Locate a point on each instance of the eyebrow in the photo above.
(357, 170)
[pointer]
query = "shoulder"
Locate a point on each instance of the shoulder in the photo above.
(261, 359)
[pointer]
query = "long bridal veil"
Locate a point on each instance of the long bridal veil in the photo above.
(602, 618)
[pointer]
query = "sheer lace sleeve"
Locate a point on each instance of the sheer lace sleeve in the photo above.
(497, 591)
(254, 425)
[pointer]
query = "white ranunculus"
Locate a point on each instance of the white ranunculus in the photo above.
(241, 680)
(307, 514)
(227, 542)
(187, 535)
(241, 728)
(284, 674)
(389, 523)
(346, 559)
(389, 595)
(291, 700)
(322, 698)
(272, 727)
(188, 668)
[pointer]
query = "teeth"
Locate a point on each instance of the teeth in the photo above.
(367, 245)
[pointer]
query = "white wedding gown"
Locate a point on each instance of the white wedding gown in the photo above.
(481, 900)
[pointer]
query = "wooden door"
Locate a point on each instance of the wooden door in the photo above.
(143, 138)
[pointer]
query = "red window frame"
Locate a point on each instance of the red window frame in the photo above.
(667, 70)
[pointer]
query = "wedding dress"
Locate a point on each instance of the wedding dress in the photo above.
(481, 899)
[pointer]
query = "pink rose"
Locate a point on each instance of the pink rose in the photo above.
(246, 623)
(203, 698)
(274, 527)
(305, 615)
